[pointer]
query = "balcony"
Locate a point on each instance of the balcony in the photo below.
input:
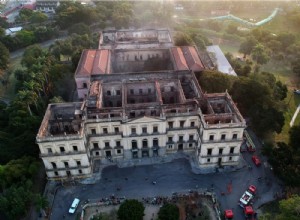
(220, 155)
(62, 153)
(144, 134)
(181, 128)
(222, 140)
(105, 134)
(67, 168)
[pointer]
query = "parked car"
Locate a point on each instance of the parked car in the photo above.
(256, 160)
(74, 205)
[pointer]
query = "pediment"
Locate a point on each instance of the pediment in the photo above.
(144, 119)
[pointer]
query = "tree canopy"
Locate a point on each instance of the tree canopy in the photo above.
(289, 208)
(248, 45)
(131, 210)
(4, 58)
(259, 54)
(168, 212)
(258, 97)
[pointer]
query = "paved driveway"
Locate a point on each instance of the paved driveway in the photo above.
(136, 182)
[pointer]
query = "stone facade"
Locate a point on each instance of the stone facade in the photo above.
(125, 116)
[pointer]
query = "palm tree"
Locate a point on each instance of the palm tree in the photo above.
(41, 202)
(27, 97)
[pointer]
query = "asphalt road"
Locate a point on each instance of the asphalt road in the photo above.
(45, 44)
(136, 182)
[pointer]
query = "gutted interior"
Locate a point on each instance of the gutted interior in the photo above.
(220, 109)
(62, 119)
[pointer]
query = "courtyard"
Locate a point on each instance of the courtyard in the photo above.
(176, 176)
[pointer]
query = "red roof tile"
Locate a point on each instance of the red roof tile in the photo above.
(179, 59)
(101, 62)
(192, 58)
(94, 62)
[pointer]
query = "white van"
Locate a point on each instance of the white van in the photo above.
(74, 205)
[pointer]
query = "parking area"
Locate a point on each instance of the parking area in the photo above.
(176, 176)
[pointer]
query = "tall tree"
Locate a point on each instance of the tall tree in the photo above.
(259, 54)
(295, 138)
(168, 212)
(247, 46)
(289, 208)
(122, 15)
(183, 39)
(131, 210)
(212, 81)
(4, 58)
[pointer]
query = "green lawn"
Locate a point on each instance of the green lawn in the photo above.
(282, 72)
(293, 101)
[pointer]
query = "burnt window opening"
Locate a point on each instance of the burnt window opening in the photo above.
(223, 136)
(145, 143)
(66, 164)
(84, 85)
(209, 151)
(181, 124)
(105, 131)
(133, 144)
(220, 151)
(133, 130)
(231, 150)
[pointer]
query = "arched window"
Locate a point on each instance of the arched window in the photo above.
(145, 143)
(155, 142)
(133, 144)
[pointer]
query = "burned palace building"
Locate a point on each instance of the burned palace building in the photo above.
(139, 98)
